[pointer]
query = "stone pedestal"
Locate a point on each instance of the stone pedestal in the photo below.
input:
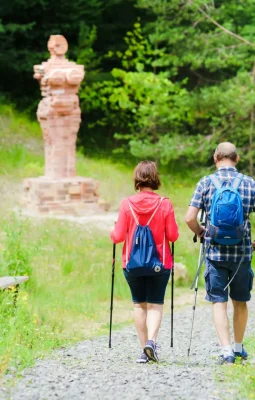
(74, 196)
(60, 190)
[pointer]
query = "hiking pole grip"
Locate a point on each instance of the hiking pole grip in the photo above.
(112, 290)
(202, 223)
(172, 299)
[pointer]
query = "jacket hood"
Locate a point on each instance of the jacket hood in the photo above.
(144, 202)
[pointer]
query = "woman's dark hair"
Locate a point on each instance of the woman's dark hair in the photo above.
(146, 175)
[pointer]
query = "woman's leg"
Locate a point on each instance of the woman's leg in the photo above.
(138, 291)
(154, 318)
(155, 294)
(147, 318)
(140, 316)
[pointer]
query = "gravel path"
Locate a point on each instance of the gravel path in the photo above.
(89, 370)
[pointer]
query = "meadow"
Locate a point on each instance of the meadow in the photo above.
(67, 297)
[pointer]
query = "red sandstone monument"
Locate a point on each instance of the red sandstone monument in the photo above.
(60, 190)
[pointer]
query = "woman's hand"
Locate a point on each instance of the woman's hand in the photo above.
(113, 227)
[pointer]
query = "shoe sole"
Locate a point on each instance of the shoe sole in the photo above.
(225, 363)
(150, 353)
(142, 362)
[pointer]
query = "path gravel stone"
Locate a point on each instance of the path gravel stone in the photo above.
(90, 370)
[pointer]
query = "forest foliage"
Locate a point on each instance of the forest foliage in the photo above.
(165, 79)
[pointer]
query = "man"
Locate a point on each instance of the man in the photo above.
(222, 261)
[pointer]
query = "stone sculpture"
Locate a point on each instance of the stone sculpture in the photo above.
(59, 112)
(59, 115)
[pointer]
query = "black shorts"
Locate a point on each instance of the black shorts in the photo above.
(148, 289)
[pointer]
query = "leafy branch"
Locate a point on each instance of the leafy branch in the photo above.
(213, 21)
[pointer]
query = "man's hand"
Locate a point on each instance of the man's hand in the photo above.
(253, 245)
(202, 232)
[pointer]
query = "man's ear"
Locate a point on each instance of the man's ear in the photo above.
(237, 159)
(215, 159)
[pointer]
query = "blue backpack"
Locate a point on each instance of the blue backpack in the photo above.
(144, 258)
(226, 224)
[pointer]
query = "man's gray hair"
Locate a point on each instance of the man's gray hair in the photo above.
(226, 150)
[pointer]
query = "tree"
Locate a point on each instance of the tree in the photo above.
(25, 27)
(211, 45)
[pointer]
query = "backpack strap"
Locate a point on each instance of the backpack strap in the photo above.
(133, 213)
(237, 181)
(156, 209)
(164, 242)
(126, 248)
(215, 181)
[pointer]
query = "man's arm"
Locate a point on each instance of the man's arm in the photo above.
(191, 221)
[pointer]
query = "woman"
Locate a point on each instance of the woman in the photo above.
(147, 292)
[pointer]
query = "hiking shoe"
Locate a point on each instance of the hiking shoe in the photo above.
(226, 360)
(243, 354)
(151, 350)
(143, 359)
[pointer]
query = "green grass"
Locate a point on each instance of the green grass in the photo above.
(14, 125)
(67, 296)
(21, 147)
(239, 379)
(18, 161)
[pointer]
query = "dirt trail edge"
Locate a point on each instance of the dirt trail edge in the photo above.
(89, 370)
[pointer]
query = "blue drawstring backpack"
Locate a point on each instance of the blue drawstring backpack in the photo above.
(144, 259)
(226, 224)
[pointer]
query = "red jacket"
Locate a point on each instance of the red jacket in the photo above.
(162, 225)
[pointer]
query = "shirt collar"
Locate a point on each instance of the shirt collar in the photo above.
(227, 168)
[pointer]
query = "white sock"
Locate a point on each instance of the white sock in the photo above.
(238, 347)
(227, 351)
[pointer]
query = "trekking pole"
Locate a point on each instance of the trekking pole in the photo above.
(195, 281)
(111, 307)
(172, 300)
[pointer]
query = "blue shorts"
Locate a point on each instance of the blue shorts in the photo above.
(148, 289)
(218, 274)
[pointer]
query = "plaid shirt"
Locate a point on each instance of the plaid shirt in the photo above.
(202, 199)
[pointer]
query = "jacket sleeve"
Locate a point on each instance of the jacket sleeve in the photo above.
(172, 231)
(119, 233)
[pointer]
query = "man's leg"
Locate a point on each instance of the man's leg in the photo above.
(240, 293)
(216, 278)
(240, 319)
(221, 323)
(140, 316)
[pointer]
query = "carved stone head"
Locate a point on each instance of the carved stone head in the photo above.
(57, 45)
